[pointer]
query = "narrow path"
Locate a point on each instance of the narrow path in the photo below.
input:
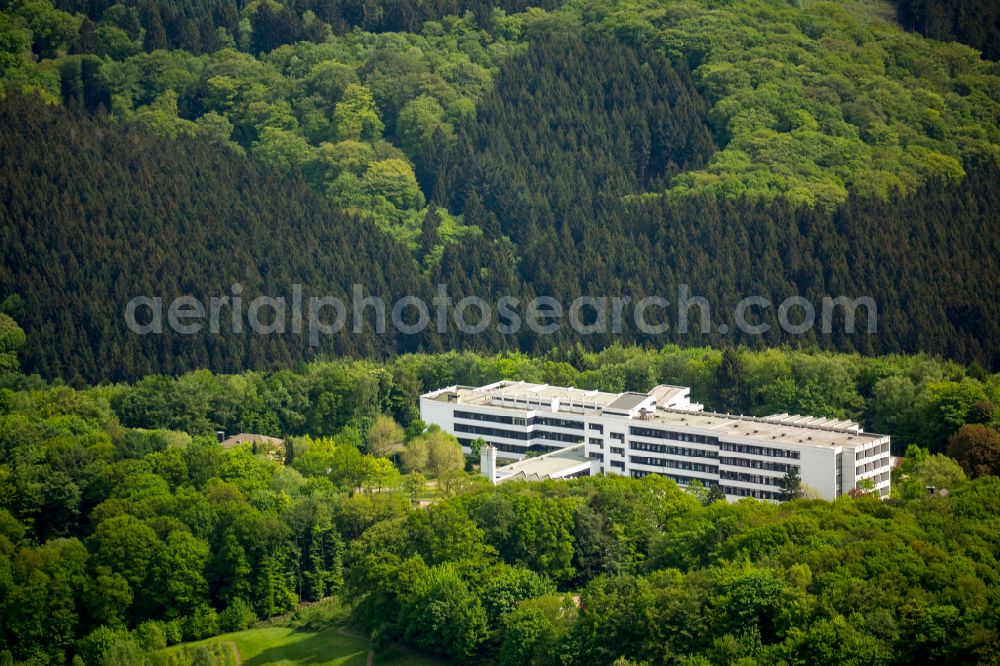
(231, 645)
(344, 631)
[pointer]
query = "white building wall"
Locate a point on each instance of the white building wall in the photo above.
(439, 413)
(818, 470)
(849, 479)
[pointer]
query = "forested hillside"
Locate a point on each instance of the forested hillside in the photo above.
(606, 123)
(138, 215)
(591, 148)
(811, 100)
(125, 526)
(807, 101)
(96, 215)
(558, 197)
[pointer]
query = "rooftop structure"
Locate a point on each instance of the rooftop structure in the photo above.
(250, 438)
(663, 432)
(272, 447)
(566, 463)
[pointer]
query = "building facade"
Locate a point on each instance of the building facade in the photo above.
(663, 432)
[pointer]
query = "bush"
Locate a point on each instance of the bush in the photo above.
(101, 642)
(238, 616)
(174, 631)
(152, 635)
(328, 612)
(125, 652)
(204, 622)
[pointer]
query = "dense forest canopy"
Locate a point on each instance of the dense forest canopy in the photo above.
(110, 214)
(811, 100)
(609, 122)
(808, 100)
(125, 526)
(354, 114)
(609, 149)
(812, 150)
(138, 215)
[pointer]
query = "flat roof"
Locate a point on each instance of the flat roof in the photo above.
(522, 392)
(627, 401)
(546, 392)
(767, 429)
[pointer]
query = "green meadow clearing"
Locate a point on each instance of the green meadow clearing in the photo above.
(285, 646)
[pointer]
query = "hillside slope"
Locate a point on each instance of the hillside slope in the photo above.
(94, 216)
(927, 258)
(614, 149)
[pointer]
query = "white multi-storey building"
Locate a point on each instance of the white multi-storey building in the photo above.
(663, 432)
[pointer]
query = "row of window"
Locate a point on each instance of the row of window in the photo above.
(538, 434)
(519, 421)
(597, 427)
(512, 448)
(874, 451)
(759, 450)
(492, 418)
(675, 464)
(753, 463)
(506, 448)
(676, 478)
(750, 478)
(544, 404)
(752, 492)
(679, 436)
(672, 450)
(577, 475)
(486, 431)
(558, 423)
(872, 466)
(490, 432)
(556, 437)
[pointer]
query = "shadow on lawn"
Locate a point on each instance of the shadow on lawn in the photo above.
(316, 649)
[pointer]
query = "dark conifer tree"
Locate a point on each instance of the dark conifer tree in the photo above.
(429, 237)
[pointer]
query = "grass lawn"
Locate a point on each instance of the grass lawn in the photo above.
(288, 647)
